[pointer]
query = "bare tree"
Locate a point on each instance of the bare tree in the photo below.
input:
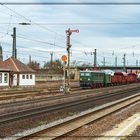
(34, 65)
(54, 67)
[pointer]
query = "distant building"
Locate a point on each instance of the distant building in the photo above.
(18, 73)
(1, 54)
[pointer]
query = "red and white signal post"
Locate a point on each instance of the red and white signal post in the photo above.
(68, 34)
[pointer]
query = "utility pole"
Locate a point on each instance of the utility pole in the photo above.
(95, 57)
(68, 34)
(14, 50)
(51, 53)
(124, 62)
(30, 59)
(116, 61)
(104, 61)
(137, 63)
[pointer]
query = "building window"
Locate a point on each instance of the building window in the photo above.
(0, 77)
(5, 78)
(27, 76)
(23, 76)
(30, 76)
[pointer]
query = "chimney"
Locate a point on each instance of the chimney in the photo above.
(14, 50)
(1, 53)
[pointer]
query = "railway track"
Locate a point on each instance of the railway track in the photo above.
(31, 93)
(17, 94)
(23, 114)
(9, 92)
(13, 94)
(57, 97)
(36, 89)
(60, 128)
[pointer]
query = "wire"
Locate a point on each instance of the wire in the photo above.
(26, 54)
(77, 23)
(74, 50)
(39, 41)
(9, 24)
(33, 22)
(60, 35)
(7, 29)
(3, 4)
(80, 23)
(70, 3)
(81, 58)
(15, 12)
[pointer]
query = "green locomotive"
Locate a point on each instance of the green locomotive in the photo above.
(94, 79)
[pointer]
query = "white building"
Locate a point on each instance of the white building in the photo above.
(19, 73)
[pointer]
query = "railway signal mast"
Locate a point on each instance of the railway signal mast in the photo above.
(68, 34)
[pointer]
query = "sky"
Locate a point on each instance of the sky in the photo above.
(112, 30)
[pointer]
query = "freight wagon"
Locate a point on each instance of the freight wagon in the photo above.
(119, 78)
(132, 77)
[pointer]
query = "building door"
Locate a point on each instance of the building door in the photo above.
(15, 80)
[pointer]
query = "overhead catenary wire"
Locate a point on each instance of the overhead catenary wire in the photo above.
(34, 22)
(7, 30)
(20, 53)
(52, 44)
(44, 42)
(43, 27)
(83, 59)
(76, 23)
(39, 41)
(71, 3)
(3, 4)
(15, 12)
(9, 24)
(62, 47)
(30, 21)
(42, 51)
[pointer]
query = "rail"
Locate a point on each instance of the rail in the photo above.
(60, 128)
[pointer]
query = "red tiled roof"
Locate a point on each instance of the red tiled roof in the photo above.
(16, 66)
(2, 66)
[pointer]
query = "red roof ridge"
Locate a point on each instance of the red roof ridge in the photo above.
(14, 64)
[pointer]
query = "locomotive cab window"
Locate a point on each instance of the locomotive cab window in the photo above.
(87, 74)
(82, 74)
